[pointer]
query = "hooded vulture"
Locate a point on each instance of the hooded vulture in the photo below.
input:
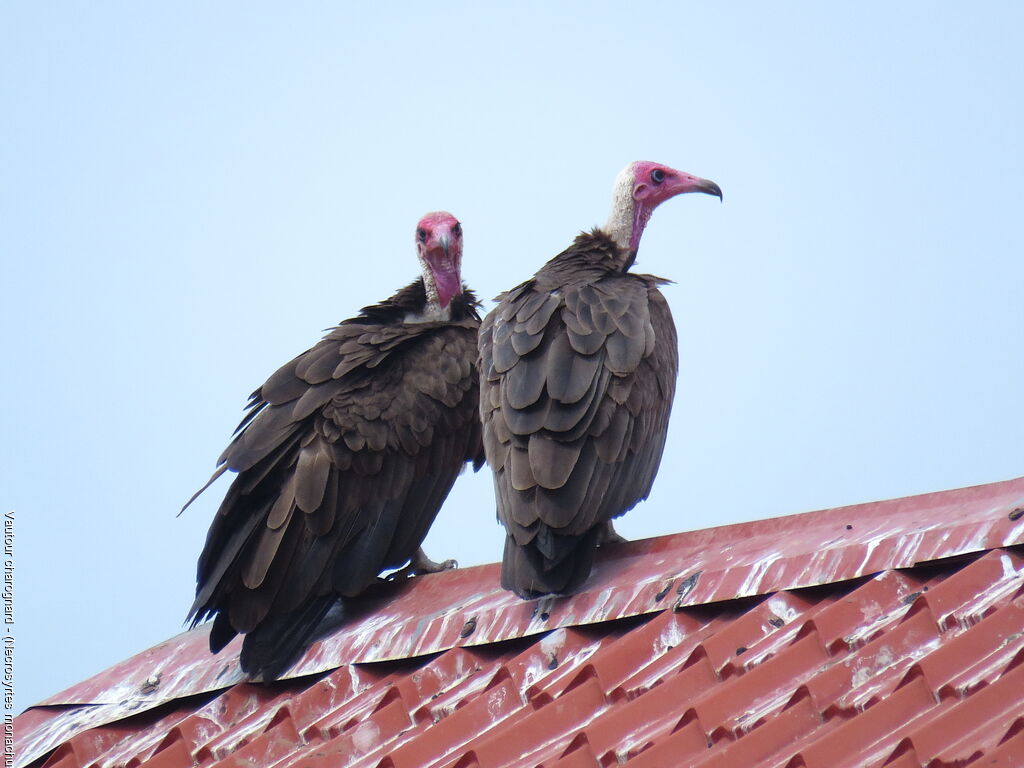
(344, 459)
(577, 373)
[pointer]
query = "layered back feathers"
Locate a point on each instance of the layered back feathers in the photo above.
(578, 369)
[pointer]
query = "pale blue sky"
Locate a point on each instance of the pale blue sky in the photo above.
(192, 191)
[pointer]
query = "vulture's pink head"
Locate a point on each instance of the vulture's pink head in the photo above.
(439, 245)
(639, 189)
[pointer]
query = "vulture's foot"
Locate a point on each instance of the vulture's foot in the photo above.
(421, 564)
(609, 536)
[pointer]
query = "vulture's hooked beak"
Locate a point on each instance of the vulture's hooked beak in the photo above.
(445, 242)
(446, 273)
(688, 183)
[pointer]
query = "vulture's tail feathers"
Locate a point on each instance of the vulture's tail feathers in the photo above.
(549, 565)
(221, 633)
(277, 643)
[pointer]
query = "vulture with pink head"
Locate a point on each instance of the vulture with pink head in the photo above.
(577, 374)
(344, 459)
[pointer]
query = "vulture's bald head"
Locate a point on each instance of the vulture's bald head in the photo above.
(439, 246)
(640, 188)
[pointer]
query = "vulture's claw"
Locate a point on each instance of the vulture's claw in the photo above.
(610, 536)
(420, 565)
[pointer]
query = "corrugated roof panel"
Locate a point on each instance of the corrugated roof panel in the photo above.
(381, 727)
(685, 650)
(868, 738)
(977, 657)
(767, 644)
(975, 726)
(633, 724)
(735, 708)
(174, 754)
(1010, 752)
(766, 745)
(544, 733)
(498, 709)
(686, 744)
(276, 741)
(846, 623)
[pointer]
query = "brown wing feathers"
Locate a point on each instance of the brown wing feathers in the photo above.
(344, 459)
(578, 372)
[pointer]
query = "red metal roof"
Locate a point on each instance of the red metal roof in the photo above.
(888, 634)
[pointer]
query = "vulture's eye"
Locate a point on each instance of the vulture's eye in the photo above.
(457, 230)
(657, 175)
(422, 235)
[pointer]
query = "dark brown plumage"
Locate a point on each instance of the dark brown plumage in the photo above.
(343, 461)
(578, 369)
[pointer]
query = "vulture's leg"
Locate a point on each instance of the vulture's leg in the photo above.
(609, 536)
(421, 564)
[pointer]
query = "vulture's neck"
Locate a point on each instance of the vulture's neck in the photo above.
(431, 311)
(627, 219)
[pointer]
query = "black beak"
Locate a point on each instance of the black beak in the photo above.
(709, 187)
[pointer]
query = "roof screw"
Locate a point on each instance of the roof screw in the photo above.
(1017, 514)
(151, 684)
(468, 628)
